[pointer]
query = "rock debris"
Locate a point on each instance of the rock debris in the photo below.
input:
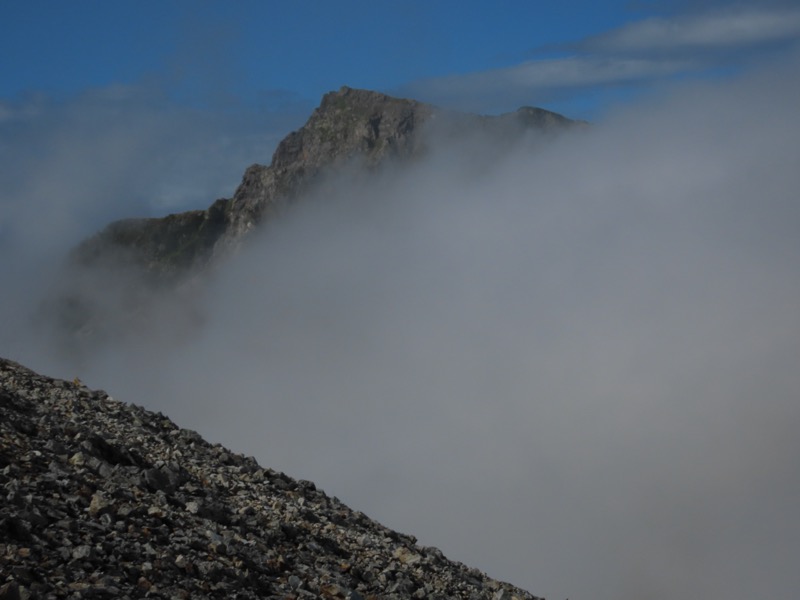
(103, 499)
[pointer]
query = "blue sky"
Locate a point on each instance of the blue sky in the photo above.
(150, 107)
(576, 57)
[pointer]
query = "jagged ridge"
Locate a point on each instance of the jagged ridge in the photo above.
(348, 124)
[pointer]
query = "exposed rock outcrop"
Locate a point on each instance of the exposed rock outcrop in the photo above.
(102, 499)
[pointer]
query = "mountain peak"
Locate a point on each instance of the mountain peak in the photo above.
(349, 124)
(355, 95)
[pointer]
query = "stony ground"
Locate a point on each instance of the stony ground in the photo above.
(102, 499)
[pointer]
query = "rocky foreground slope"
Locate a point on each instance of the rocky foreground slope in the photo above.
(349, 125)
(102, 499)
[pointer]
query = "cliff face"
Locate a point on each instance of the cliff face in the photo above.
(103, 499)
(349, 125)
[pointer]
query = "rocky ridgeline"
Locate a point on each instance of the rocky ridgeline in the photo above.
(102, 499)
(349, 125)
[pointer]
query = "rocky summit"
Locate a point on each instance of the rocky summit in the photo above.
(103, 499)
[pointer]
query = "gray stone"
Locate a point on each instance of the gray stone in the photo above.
(81, 552)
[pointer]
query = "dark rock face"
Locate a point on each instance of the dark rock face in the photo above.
(165, 247)
(348, 125)
(103, 499)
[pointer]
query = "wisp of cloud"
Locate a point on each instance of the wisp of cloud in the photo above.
(572, 365)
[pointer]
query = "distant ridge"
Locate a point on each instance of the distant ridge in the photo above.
(348, 124)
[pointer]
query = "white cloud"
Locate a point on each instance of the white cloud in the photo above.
(722, 28)
(557, 73)
(541, 81)
(636, 56)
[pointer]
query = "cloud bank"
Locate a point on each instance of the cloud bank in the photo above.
(73, 164)
(572, 365)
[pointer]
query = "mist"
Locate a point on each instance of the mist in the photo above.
(572, 364)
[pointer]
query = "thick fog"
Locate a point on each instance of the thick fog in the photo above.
(572, 364)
